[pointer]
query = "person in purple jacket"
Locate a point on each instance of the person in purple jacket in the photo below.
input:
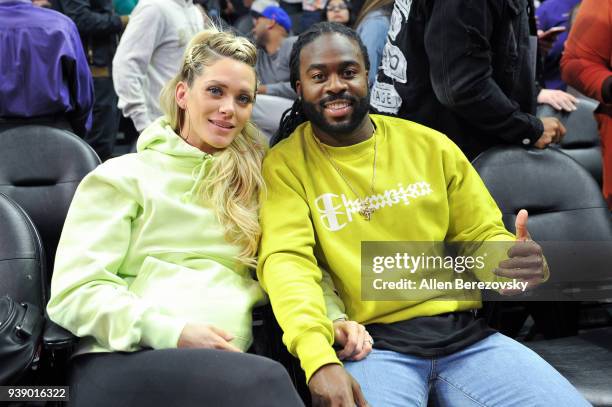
(554, 13)
(44, 75)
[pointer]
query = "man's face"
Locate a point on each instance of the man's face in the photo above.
(333, 84)
(260, 31)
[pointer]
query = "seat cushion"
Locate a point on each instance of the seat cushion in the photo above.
(585, 360)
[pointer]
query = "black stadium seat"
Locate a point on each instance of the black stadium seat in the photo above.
(565, 204)
(581, 141)
(40, 168)
(22, 263)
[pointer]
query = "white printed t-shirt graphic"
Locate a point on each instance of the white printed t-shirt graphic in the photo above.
(336, 211)
(385, 98)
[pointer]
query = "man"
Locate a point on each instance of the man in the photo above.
(150, 53)
(99, 28)
(465, 68)
(44, 77)
(275, 95)
(345, 177)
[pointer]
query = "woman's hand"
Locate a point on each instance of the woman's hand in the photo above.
(202, 336)
(558, 99)
(356, 342)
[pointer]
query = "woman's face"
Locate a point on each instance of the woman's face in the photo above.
(337, 12)
(218, 104)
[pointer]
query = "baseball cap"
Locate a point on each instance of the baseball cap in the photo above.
(259, 6)
(278, 15)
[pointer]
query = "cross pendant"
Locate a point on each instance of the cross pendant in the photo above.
(366, 212)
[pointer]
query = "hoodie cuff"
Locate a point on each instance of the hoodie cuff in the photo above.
(314, 351)
(160, 331)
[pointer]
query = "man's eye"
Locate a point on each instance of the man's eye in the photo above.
(349, 73)
(318, 77)
(215, 91)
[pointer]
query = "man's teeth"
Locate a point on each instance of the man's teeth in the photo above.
(336, 106)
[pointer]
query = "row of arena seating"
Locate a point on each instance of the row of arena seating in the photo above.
(41, 167)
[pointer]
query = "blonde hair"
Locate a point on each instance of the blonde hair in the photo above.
(234, 183)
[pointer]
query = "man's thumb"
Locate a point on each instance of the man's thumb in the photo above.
(520, 224)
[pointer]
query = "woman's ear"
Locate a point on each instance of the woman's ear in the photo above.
(180, 94)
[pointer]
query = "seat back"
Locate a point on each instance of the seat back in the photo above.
(564, 204)
(40, 169)
(22, 263)
(563, 200)
(581, 142)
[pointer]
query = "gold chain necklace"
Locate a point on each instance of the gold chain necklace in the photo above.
(365, 207)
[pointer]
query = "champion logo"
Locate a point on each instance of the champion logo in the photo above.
(336, 211)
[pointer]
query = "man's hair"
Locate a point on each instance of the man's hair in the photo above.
(294, 116)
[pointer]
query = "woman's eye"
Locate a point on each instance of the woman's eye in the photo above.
(244, 99)
(215, 91)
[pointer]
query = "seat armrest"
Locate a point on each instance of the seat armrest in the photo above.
(56, 338)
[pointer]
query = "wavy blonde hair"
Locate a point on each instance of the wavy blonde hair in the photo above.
(235, 181)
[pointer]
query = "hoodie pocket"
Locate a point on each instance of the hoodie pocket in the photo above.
(213, 295)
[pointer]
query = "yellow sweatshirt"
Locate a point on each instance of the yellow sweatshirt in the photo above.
(310, 220)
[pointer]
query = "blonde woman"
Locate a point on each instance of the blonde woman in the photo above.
(152, 270)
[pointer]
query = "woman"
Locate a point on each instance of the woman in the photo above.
(586, 64)
(372, 25)
(338, 11)
(152, 270)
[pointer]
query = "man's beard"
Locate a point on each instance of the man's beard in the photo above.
(261, 39)
(360, 109)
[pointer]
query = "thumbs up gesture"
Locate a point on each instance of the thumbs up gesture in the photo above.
(525, 260)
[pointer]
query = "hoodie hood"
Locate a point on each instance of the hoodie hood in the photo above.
(161, 138)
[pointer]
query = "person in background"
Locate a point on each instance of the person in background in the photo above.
(161, 294)
(99, 28)
(338, 11)
(445, 65)
(275, 95)
(552, 19)
(149, 54)
(372, 25)
(311, 14)
(44, 75)
(124, 7)
(586, 65)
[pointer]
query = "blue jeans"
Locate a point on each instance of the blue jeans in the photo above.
(496, 371)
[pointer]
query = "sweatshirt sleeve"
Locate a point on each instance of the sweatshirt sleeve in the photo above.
(586, 60)
(288, 269)
(88, 297)
(135, 50)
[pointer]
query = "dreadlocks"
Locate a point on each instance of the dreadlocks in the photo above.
(294, 116)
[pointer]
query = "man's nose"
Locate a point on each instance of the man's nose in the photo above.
(336, 84)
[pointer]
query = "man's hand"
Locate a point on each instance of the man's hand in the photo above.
(553, 132)
(206, 337)
(526, 262)
(332, 386)
(356, 342)
(262, 89)
(558, 99)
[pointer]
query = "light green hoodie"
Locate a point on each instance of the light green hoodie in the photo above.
(139, 256)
